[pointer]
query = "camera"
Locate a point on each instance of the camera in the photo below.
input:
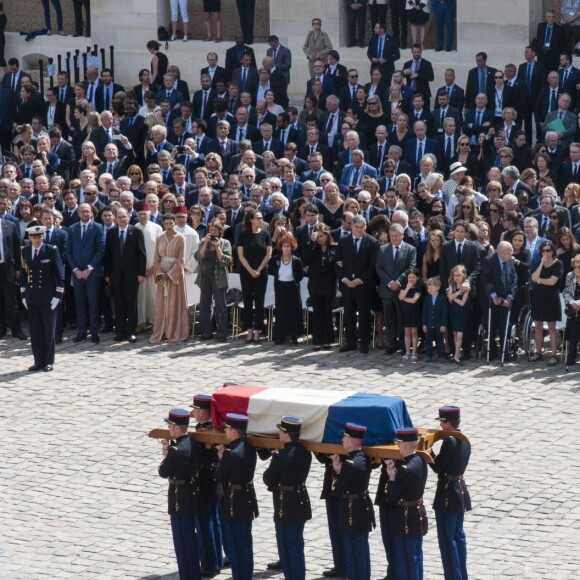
(213, 238)
(180, 148)
(210, 175)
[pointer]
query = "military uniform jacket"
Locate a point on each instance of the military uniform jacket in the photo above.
(452, 494)
(236, 474)
(208, 464)
(286, 479)
(381, 497)
(41, 279)
(407, 490)
(352, 488)
(179, 466)
(329, 481)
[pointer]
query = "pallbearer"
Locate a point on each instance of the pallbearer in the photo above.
(406, 486)
(286, 479)
(452, 497)
(179, 466)
(356, 515)
(239, 504)
(208, 522)
(42, 287)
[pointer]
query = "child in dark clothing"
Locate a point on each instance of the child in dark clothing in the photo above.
(435, 314)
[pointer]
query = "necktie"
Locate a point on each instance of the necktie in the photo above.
(309, 232)
(380, 50)
(282, 135)
(353, 95)
(529, 77)
(565, 77)
(234, 216)
(110, 135)
(107, 98)
(48, 236)
(504, 275)
(575, 169)
(240, 134)
(110, 168)
(266, 146)
(83, 231)
(61, 95)
(396, 254)
(244, 78)
(380, 157)
(168, 94)
(131, 121)
(419, 152)
(548, 35)
(356, 245)
(459, 253)
(224, 145)
(355, 176)
(417, 116)
(27, 171)
(275, 53)
(545, 224)
(312, 149)
(448, 148)
(482, 80)
(34, 254)
(91, 92)
(442, 117)
(122, 241)
(414, 69)
(553, 100)
(330, 124)
(448, 90)
(204, 104)
(13, 82)
(478, 118)
(560, 114)
(180, 190)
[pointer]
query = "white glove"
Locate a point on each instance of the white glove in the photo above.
(54, 303)
(24, 302)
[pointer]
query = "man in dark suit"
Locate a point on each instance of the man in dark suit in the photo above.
(569, 76)
(313, 145)
(570, 171)
(85, 249)
(246, 75)
(168, 91)
(124, 264)
(442, 111)
(383, 51)
(65, 152)
(464, 252)
(12, 82)
(267, 142)
(53, 111)
(548, 98)
(478, 79)
(203, 99)
(356, 15)
(569, 121)
(216, 72)
(106, 91)
(347, 95)
(393, 260)
(235, 53)
(415, 149)
(304, 232)
(455, 93)
(9, 274)
(328, 85)
(241, 129)
(42, 289)
(419, 73)
(533, 75)
(281, 55)
(478, 120)
(356, 255)
(549, 42)
(222, 145)
(134, 128)
(113, 165)
(499, 283)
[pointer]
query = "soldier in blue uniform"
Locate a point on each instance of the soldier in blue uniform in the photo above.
(286, 479)
(356, 513)
(208, 524)
(239, 504)
(405, 486)
(452, 498)
(180, 463)
(42, 287)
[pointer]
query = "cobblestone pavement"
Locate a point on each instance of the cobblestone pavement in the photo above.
(80, 496)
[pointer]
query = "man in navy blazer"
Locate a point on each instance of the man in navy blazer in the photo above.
(415, 149)
(352, 173)
(455, 92)
(85, 250)
(479, 119)
(549, 41)
(499, 282)
(419, 73)
(482, 72)
(328, 85)
(383, 51)
(281, 55)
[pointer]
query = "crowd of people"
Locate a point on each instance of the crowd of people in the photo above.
(424, 218)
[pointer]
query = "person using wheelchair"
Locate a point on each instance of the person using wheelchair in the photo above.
(500, 284)
(572, 301)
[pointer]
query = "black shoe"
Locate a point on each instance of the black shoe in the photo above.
(132, 339)
(34, 368)
(48, 368)
(333, 573)
(279, 341)
(107, 328)
(364, 349)
(202, 337)
(346, 348)
(438, 49)
(209, 573)
(274, 565)
(19, 335)
(294, 341)
(80, 337)
(391, 350)
(223, 339)
(227, 561)
(95, 339)
(58, 340)
(3, 333)
(77, 34)
(120, 338)
(467, 356)
(350, 45)
(448, 49)
(457, 362)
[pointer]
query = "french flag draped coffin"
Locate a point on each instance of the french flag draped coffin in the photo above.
(323, 413)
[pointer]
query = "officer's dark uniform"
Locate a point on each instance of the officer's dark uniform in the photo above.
(286, 479)
(387, 517)
(452, 500)
(239, 504)
(411, 518)
(42, 279)
(356, 513)
(209, 531)
(332, 516)
(179, 467)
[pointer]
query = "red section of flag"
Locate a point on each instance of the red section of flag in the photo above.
(233, 399)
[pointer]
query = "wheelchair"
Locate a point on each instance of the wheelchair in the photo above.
(510, 334)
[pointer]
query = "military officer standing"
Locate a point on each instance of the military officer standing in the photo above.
(405, 486)
(356, 516)
(286, 479)
(239, 504)
(452, 496)
(208, 524)
(180, 463)
(42, 287)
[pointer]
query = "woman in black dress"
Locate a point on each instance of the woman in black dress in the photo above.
(522, 260)
(159, 63)
(546, 305)
(430, 266)
(287, 271)
(254, 252)
(318, 257)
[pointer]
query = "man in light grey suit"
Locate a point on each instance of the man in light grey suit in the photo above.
(281, 55)
(393, 260)
(568, 120)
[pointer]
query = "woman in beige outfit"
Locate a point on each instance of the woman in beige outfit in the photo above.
(317, 45)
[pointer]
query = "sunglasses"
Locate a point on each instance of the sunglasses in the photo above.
(576, 268)
(546, 251)
(494, 210)
(466, 206)
(463, 144)
(134, 173)
(498, 78)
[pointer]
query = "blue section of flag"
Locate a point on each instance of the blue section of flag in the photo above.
(381, 415)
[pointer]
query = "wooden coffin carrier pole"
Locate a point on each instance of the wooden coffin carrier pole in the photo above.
(427, 438)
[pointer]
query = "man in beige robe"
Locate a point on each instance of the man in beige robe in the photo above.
(191, 245)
